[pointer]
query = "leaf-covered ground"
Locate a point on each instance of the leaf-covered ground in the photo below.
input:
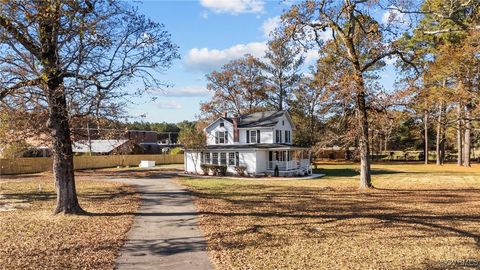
(31, 237)
(418, 217)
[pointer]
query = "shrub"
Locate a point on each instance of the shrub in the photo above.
(176, 151)
(241, 170)
(215, 169)
(222, 169)
(205, 168)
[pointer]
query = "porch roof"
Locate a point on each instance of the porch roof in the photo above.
(255, 146)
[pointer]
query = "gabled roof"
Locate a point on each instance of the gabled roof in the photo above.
(98, 146)
(258, 119)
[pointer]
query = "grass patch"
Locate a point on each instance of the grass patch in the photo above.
(31, 237)
(419, 217)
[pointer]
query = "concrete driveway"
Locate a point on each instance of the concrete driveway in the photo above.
(165, 234)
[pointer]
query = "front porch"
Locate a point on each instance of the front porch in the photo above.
(289, 162)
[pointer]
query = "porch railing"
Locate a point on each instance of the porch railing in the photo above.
(288, 165)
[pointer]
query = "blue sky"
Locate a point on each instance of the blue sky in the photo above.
(209, 33)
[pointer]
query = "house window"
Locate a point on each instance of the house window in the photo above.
(287, 136)
(223, 158)
(222, 124)
(207, 158)
(253, 136)
(278, 136)
(214, 158)
(231, 158)
(283, 122)
(221, 137)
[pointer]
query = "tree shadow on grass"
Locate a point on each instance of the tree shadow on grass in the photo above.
(387, 208)
(349, 172)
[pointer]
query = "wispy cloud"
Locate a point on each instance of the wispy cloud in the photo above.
(187, 91)
(168, 104)
(234, 7)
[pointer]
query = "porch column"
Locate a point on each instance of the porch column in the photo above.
(286, 159)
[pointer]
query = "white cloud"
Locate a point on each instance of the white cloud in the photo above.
(169, 104)
(234, 6)
(187, 91)
(269, 25)
(204, 14)
(394, 16)
(206, 60)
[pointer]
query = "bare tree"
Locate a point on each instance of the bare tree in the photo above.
(69, 59)
(359, 39)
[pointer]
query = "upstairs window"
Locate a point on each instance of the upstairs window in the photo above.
(288, 136)
(278, 136)
(253, 136)
(222, 124)
(221, 137)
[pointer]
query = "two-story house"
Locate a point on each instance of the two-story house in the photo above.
(259, 142)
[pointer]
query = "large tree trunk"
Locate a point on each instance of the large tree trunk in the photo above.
(459, 135)
(63, 173)
(365, 178)
(425, 132)
(58, 120)
(468, 138)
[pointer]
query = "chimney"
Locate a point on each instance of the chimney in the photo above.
(236, 133)
(224, 114)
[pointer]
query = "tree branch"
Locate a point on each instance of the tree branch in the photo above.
(20, 37)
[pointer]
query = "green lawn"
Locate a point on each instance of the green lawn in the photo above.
(418, 217)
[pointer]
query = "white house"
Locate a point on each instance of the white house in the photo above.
(258, 142)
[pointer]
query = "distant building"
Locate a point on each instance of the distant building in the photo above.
(107, 147)
(153, 142)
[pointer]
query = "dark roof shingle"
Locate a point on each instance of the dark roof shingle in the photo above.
(259, 119)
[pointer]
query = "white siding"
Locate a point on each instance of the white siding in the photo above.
(266, 136)
(262, 159)
(192, 162)
(249, 159)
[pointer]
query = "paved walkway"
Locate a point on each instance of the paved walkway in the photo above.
(165, 234)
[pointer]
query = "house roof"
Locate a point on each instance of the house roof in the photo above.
(259, 119)
(98, 146)
(252, 146)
